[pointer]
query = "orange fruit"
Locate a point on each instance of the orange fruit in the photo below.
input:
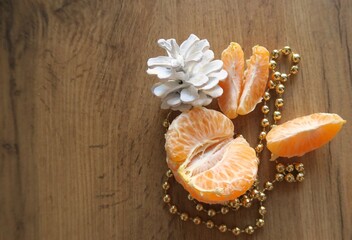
(303, 134)
(233, 60)
(211, 165)
(255, 80)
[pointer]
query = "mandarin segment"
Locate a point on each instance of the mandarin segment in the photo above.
(233, 59)
(195, 128)
(229, 178)
(255, 80)
(211, 165)
(303, 134)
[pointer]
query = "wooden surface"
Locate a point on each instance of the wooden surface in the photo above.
(81, 138)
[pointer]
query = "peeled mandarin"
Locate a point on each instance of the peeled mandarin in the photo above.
(303, 134)
(194, 129)
(211, 165)
(223, 175)
(233, 59)
(255, 80)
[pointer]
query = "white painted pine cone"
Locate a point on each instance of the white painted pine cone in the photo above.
(188, 75)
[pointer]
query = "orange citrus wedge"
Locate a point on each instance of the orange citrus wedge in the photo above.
(255, 80)
(233, 60)
(211, 165)
(303, 134)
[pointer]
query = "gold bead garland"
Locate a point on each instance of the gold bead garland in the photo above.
(290, 172)
(277, 83)
(225, 209)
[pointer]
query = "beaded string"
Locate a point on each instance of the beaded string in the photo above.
(290, 172)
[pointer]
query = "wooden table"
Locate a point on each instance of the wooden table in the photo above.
(82, 153)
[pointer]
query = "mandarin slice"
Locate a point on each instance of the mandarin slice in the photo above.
(233, 60)
(223, 175)
(255, 80)
(211, 165)
(303, 134)
(194, 129)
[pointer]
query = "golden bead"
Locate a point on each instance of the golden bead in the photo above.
(224, 210)
(199, 207)
(299, 167)
(296, 58)
(276, 76)
(184, 216)
(262, 197)
(256, 182)
(279, 177)
(265, 122)
(190, 197)
(280, 167)
(237, 207)
(277, 115)
(211, 212)
(294, 69)
(166, 123)
(166, 185)
(271, 84)
(280, 88)
(266, 96)
(249, 230)
(254, 193)
(290, 168)
(283, 77)
(262, 210)
(173, 209)
(269, 186)
(289, 178)
(235, 204)
(167, 198)
(197, 220)
(169, 173)
(236, 231)
(273, 64)
(259, 222)
(286, 50)
(222, 228)
(272, 126)
(275, 54)
(235, 201)
(259, 148)
(279, 102)
(300, 177)
(246, 202)
(262, 135)
(209, 224)
(265, 109)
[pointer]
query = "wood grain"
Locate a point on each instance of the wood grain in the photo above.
(81, 138)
